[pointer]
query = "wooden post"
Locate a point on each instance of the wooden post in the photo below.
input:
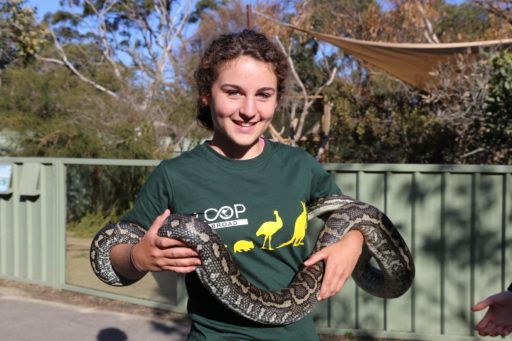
(249, 17)
(326, 130)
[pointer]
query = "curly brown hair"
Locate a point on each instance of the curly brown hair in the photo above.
(229, 47)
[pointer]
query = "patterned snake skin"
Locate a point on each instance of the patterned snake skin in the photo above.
(221, 276)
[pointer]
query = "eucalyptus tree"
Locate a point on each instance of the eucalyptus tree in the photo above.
(141, 45)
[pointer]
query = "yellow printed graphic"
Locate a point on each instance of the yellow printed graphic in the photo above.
(243, 246)
(268, 229)
(299, 231)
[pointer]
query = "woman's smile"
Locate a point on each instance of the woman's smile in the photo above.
(245, 124)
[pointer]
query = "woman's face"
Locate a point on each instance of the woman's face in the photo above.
(242, 102)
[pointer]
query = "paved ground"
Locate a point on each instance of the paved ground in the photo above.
(31, 312)
(25, 317)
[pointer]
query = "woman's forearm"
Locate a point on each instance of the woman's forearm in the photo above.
(121, 258)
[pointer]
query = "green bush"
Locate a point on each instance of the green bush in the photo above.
(89, 224)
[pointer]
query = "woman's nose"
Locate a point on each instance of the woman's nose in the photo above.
(248, 107)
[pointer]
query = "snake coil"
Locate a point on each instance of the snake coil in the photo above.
(220, 275)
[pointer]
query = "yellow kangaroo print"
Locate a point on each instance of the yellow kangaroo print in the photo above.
(243, 246)
(268, 229)
(299, 232)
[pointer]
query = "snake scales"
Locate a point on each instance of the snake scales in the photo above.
(220, 275)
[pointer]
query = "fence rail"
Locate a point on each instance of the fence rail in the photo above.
(457, 220)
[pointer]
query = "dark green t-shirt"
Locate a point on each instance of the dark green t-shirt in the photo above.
(257, 207)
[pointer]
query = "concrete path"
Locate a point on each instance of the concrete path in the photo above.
(25, 318)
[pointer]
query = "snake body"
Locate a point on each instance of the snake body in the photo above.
(220, 275)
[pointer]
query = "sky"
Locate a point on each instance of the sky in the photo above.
(45, 6)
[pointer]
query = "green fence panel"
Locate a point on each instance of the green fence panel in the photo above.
(428, 227)
(457, 221)
(29, 239)
(399, 311)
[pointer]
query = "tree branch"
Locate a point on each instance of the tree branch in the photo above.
(64, 61)
(429, 33)
(107, 51)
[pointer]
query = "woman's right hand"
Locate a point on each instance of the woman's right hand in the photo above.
(155, 253)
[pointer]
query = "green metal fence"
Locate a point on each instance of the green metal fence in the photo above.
(457, 220)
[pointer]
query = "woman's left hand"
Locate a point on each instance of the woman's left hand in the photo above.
(340, 260)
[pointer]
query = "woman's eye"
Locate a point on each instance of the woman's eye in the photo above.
(264, 95)
(233, 92)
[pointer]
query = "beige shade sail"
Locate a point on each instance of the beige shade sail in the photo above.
(412, 63)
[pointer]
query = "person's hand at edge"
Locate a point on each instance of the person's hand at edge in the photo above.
(497, 321)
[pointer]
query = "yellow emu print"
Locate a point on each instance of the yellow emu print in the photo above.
(299, 231)
(268, 229)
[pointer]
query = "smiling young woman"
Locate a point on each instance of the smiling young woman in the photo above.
(252, 191)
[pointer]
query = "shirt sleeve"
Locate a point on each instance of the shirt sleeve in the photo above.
(153, 199)
(322, 182)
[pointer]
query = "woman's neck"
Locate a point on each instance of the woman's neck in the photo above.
(239, 152)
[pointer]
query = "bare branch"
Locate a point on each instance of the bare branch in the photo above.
(460, 94)
(297, 125)
(64, 61)
(292, 68)
(107, 51)
(278, 136)
(50, 60)
(478, 150)
(429, 33)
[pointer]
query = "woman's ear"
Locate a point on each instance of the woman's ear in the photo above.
(205, 100)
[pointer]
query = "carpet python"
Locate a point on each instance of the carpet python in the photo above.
(383, 245)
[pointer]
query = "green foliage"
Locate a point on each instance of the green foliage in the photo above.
(102, 189)
(385, 124)
(310, 72)
(464, 22)
(203, 6)
(89, 224)
(492, 133)
(500, 96)
(472, 99)
(332, 16)
(55, 114)
(20, 35)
